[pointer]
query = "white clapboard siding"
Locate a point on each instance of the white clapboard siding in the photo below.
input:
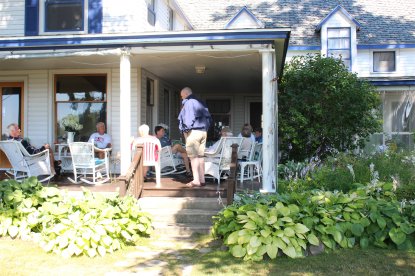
(131, 16)
(38, 109)
(12, 17)
(405, 63)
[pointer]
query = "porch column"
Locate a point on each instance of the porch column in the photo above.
(270, 130)
(125, 110)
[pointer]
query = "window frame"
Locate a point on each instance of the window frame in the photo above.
(213, 114)
(171, 19)
(372, 61)
(349, 49)
(56, 102)
(151, 12)
(42, 20)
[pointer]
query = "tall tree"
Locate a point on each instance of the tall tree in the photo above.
(324, 107)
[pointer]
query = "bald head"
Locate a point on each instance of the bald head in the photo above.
(185, 92)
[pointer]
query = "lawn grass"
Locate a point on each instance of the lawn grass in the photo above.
(26, 258)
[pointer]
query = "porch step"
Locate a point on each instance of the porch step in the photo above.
(183, 230)
(180, 203)
(180, 190)
(181, 216)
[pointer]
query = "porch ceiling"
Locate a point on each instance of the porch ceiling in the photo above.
(231, 71)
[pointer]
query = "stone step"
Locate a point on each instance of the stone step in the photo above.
(180, 230)
(179, 203)
(182, 216)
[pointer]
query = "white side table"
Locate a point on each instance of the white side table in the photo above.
(63, 154)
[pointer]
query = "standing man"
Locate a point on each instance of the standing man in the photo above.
(194, 122)
(100, 139)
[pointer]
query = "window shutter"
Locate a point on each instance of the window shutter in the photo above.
(95, 16)
(31, 17)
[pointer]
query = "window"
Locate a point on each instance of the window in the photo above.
(150, 92)
(151, 14)
(64, 15)
(384, 61)
(220, 109)
(338, 44)
(171, 20)
(84, 96)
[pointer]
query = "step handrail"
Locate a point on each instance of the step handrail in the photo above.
(133, 179)
(231, 180)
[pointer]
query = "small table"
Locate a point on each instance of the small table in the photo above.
(63, 154)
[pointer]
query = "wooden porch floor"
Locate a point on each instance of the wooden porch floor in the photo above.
(171, 186)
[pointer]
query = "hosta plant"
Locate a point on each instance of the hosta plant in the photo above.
(290, 223)
(92, 225)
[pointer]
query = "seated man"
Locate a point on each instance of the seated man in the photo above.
(177, 148)
(100, 139)
(258, 135)
(143, 131)
(14, 134)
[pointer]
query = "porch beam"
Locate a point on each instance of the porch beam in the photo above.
(269, 112)
(125, 110)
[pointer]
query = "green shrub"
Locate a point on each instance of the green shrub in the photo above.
(255, 226)
(406, 193)
(337, 173)
(91, 225)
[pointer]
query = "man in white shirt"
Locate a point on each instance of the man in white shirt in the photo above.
(100, 139)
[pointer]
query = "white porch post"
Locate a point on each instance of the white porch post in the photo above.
(270, 130)
(125, 110)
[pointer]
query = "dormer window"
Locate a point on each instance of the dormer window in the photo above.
(338, 44)
(384, 61)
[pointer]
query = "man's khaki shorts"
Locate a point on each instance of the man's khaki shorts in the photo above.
(196, 143)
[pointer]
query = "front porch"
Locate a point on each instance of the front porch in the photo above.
(171, 186)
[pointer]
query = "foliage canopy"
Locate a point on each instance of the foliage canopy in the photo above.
(324, 107)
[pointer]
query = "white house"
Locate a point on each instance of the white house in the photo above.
(124, 62)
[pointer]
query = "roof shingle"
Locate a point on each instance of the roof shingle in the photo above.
(383, 21)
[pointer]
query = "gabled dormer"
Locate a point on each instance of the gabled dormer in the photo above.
(338, 36)
(244, 19)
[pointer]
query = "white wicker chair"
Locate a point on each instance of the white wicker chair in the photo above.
(253, 164)
(24, 164)
(169, 164)
(87, 168)
(220, 162)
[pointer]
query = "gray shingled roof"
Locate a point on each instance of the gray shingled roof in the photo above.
(383, 21)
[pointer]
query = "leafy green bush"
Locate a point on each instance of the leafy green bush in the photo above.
(337, 173)
(92, 225)
(264, 225)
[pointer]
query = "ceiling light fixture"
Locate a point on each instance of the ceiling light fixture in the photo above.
(200, 69)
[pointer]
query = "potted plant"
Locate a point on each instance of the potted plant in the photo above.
(71, 125)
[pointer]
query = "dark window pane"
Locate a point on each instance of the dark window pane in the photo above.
(384, 61)
(84, 97)
(11, 102)
(64, 15)
(89, 114)
(81, 88)
(219, 106)
(220, 110)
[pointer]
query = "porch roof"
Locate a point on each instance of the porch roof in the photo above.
(235, 64)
